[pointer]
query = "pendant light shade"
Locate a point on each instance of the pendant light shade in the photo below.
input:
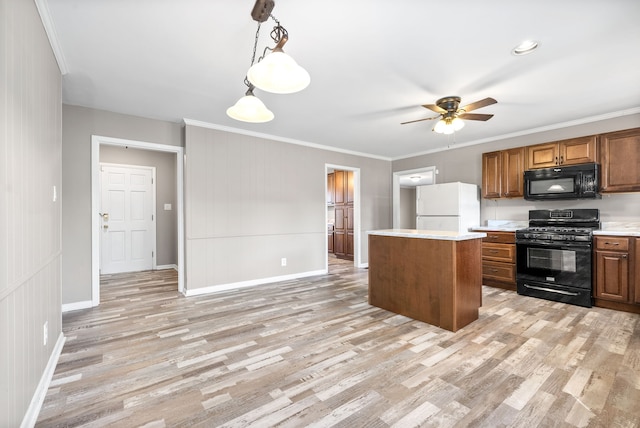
(278, 73)
(250, 109)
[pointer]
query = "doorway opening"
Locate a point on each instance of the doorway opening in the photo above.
(348, 225)
(96, 219)
(404, 184)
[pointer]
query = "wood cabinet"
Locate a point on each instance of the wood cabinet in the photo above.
(343, 203)
(428, 279)
(502, 173)
(331, 188)
(499, 260)
(620, 161)
(616, 283)
(567, 152)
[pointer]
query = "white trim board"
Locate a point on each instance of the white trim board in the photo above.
(76, 306)
(96, 141)
(251, 283)
(31, 416)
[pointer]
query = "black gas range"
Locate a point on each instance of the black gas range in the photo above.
(554, 255)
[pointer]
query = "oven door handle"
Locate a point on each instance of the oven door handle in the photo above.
(556, 244)
(550, 290)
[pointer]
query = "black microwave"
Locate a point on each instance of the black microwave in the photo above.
(567, 182)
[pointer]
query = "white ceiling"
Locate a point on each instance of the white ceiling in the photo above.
(372, 65)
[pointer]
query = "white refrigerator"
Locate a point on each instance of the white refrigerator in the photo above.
(448, 206)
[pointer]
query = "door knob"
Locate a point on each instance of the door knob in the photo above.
(105, 216)
(105, 226)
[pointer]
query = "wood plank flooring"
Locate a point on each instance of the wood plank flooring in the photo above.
(313, 353)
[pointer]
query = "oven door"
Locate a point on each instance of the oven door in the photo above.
(553, 271)
(555, 263)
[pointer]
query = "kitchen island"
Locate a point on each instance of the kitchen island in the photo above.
(430, 276)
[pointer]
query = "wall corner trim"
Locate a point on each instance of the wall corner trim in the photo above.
(31, 417)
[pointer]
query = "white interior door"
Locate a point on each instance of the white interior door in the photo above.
(127, 238)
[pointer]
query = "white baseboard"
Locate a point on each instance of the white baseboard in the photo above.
(163, 267)
(243, 284)
(76, 306)
(31, 417)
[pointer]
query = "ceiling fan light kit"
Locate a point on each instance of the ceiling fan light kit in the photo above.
(451, 114)
(276, 72)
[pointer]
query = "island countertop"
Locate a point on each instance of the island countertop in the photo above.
(429, 234)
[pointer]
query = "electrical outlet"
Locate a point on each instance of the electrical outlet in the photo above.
(283, 261)
(45, 333)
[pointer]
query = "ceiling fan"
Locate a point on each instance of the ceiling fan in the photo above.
(451, 114)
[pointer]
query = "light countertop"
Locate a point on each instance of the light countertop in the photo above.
(429, 234)
(621, 228)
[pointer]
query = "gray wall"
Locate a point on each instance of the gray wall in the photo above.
(465, 164)
(30, 221)
(166, 193)
(250, 202)
(407, 208)
(78, 125)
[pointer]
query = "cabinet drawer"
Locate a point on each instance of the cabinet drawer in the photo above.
(499, 252)
(499, 271)
(501, 237)
(612, 243)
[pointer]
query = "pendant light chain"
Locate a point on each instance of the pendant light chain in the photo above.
(253, 57)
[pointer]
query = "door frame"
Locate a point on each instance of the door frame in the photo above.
(357, 242)
(153, 230)
(395, 190)
(96, 141)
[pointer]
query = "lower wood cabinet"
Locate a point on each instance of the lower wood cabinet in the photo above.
(615, 280)
(499, 260)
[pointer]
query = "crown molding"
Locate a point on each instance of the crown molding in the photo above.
(208, 125)
(49, 28)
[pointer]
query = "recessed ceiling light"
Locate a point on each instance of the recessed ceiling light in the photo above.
(525, 47)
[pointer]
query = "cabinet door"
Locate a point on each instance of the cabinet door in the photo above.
(340, 183)
(331, 188)
(612, 275)
(542, 155)
(339, 243)
(330, 242)
(349, 245)
(577, 150)
(620, 161)
(636, 271)
(513, 173)
(491, 177)
(349, 187)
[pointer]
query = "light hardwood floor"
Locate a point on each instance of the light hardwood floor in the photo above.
(312, 352)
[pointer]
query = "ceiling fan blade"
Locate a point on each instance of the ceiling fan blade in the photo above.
(420, 120)
(435, 108)
(478, 104)
(475, 116)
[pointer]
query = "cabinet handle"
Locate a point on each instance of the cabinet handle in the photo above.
(494, 270)
(561, 160)
(492, 236)
(493, 251)
(612, 243)
(556, 160)
(624, 256)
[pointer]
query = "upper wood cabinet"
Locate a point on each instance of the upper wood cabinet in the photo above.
(331, 188)
(502, 173)
(566, 152)
(620, 161)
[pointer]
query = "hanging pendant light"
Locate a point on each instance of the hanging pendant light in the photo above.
(278, 72)
(250, 109)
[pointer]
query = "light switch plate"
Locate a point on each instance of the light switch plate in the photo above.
(167, 207)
